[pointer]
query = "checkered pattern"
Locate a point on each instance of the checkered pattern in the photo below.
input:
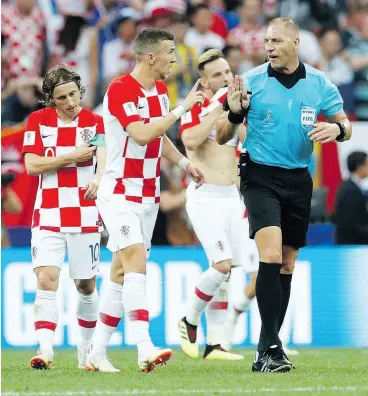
(133, 170)
(250, 41)
(25, 36)
(193, 117)
(60, 205)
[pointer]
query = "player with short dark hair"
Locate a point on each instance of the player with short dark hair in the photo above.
(136, 116)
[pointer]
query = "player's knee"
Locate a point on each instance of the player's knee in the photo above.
(47, 280)
(288, 266)
(85, 286)
(223, 266)
(271, 255)
(133, 259)
(117, 275)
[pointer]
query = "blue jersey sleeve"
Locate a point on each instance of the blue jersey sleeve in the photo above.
(332, 101)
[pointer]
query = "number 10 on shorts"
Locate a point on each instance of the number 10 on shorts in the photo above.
(95, 252)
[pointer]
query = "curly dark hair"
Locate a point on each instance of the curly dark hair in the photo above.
(58, 75)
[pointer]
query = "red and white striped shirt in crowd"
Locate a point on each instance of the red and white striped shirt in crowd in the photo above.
(24, 36)
(250, 41)
(133, 171)
(60, 204)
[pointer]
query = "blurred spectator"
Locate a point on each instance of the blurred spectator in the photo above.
(23, 35)
(19, 100)
(234, 57)
(184, 72)
(158, 14)
(337, 68)
(309, 14)
(309, 48)
(357, 53)
(352, 203)
(225, 9)
(118, 55)
(249, 35)
(200, 35)
(77, 46)
(10, 202)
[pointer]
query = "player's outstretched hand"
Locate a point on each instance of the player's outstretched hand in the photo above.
(324, 132)
(237, 96)
(193, 97)
(195, 174)
(92, 188)
(83, 153)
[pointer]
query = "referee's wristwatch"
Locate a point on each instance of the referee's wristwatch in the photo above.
(342, 134)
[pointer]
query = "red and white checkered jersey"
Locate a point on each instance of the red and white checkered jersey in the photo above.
(24, 40)
(193, 117)
(250, 41)
(133, 171)
(60, 204)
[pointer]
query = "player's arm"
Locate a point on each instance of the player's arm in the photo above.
(123, 107)
(37, 165)
(172, 154)
(194, 136)
(33, 148)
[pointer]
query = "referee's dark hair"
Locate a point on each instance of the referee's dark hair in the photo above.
(356, 159)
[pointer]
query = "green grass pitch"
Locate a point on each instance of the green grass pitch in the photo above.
(318, 371)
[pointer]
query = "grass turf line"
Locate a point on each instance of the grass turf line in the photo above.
(319, 371)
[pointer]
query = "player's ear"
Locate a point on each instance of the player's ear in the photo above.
(151, 58)
(204, 83)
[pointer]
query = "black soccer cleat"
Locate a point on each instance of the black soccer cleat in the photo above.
(274, 360)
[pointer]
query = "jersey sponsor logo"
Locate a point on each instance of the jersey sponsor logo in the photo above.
(29, 138)
(130, 109)
(307, 116)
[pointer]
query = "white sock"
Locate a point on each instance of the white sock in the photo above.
(216, 315)
(45, 318)
(111, 311)
(87, 312)
(206, 287)
(135, 304)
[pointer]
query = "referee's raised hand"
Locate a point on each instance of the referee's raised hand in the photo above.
(237, 96)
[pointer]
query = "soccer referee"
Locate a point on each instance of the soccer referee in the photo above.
(281, 100)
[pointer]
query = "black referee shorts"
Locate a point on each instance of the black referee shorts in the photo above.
(278, 197)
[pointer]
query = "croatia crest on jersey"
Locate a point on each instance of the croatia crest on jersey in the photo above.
(87, 134)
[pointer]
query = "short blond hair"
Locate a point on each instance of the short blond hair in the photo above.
(209, 56)
(288, 23)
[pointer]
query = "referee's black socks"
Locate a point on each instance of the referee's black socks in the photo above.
(268, 293)
(285, 283)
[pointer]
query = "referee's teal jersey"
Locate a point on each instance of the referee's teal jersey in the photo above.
(280, 117)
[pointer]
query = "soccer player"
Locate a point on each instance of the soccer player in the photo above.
(61, 145)
(216, 213)
(136, 116)
(286, 98)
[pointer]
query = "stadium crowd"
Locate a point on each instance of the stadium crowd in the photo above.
(96, 37)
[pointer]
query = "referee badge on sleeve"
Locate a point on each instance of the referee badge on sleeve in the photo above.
(307, 116)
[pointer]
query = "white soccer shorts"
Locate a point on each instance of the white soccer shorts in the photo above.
(49, 248)
(128, 223)
(217, 215)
